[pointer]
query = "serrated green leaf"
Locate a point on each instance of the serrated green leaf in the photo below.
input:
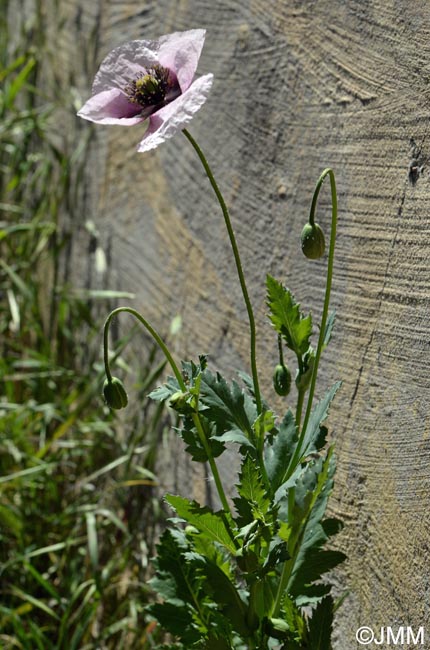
(228, 407)
(295, 622)
(279, 449)
(169, 564)
(317, 563)
(278, 553)
(251, 488)
(314, 534)
(312, 437)
(234, 436)
(286, 317)
(311, 494)
(194, 445)
(314, 594)
(161, 393)
(321, 625)
(212, 524)
(223, 592)
(176, 619)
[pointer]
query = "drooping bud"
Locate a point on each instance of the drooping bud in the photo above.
(114, 393)
(282, 380)
(313, 242)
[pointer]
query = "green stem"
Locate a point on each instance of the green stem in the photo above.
(181, 382)
(300, 396)
(289, 564)
(154, 335)
(212, 464)
(326, 172)
(281, 352)
(283, 582)
(238, 265)
(299, 407)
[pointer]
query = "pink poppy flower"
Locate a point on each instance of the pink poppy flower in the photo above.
(150, 80)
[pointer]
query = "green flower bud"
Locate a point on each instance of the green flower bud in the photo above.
(282, 380)
(277, 628)
(114, 393)
(191, 530)
(178, 401)
(313, 243)
(303, 379)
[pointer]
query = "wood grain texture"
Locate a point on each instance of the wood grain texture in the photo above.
(299, 85)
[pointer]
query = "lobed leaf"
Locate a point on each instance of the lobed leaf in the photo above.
(311, 440)
(287, 318)
(223, 592)
(228, 407)
(321, 625)
(194, 445)
(279, 449)
(251, 489)
(212, 524)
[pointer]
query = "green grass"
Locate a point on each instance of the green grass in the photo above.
(78, 508)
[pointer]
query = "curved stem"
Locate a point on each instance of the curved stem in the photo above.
(238, 265)
(154, 335)
(289, 564)
(181, 382)
(326, 172)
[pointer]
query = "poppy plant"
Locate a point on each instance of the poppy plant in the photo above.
(248, 576)
(150, 81)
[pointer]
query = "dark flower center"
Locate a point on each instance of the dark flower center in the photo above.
(155, 88)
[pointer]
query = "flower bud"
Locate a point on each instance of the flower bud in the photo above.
(313, 243)
(114, 393)
(277, 628)
(282, 380)
(303, 379)
(191, 530)
(178, 401)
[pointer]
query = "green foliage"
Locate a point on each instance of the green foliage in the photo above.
(77, 509)
(213, 524)
(259, 568)
(74, 481)
(279, 449)
(314, 438)
(286, 317)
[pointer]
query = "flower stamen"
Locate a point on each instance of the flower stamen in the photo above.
(153, 89)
